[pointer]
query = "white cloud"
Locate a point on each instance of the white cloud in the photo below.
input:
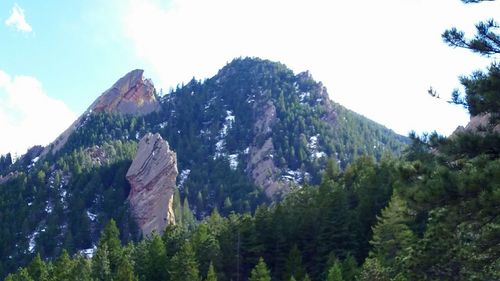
(18, 20)
(27, 115)
(375, 57)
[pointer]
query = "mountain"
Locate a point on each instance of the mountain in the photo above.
(250, 134)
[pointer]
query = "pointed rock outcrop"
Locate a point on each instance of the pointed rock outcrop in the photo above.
(131, 94)
(152, 176)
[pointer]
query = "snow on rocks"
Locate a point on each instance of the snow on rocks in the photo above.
(183, 176)
(91, 216)
(233, 161)
(313, 148)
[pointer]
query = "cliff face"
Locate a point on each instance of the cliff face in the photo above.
(261, 167)
(152, 176)
(131, 94)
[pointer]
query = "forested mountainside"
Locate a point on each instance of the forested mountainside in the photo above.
(432, 214)
(293, 188)
(249, 135)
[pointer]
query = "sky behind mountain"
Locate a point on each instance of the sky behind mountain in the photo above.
(377, 58)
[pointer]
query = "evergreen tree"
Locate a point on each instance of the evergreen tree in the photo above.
(21, 275)
(188, 219)
(335, 237)
(293, 265)
(156, 260)
(211, 276)
(111, 238)
(81, 269)
(125, 271)
(335, 272)
(372, 270)
(101, 270)
(37, 269)
(63, 267)
(485, 42)
(349, 268)
(391, 235)
(183, 266)
(260, 272)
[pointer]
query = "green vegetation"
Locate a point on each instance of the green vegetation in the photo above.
(431, 213)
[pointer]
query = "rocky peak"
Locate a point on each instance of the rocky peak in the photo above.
(131, 94)
(152, 176)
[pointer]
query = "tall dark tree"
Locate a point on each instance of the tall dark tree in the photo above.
(293, 265)
(260, 272)
(111, 238)
(38, 269)
(183, 266)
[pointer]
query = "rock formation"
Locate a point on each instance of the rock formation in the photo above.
(479, 124)
(131, 94)
(261, 167)
(152, 176)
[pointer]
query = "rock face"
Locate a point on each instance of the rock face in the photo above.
(152, 176)
(479, 124)
(261, 167)
(131, 94)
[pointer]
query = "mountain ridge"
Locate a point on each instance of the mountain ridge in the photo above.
(246, 136)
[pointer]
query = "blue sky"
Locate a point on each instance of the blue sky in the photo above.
(375, 57)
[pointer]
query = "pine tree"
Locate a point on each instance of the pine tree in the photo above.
(335, 273)
(372, 270)
(293, 265)
(21, 275)
(211, 276)
(187, 215)
(38, 269)
(391, 235)
(156, 261)
(260, 272)
(62, 267)
(177, 205)
(334, 237)
(183, 266)
(125, 271)
(101, 270)
(349, 268)
(111, 238)
(81, 269)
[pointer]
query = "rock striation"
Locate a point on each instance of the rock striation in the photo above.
(131, 94)
(152, 176)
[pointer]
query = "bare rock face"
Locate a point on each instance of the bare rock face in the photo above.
(261, 167)
(131, 94)
(479, 124)
(152, 176)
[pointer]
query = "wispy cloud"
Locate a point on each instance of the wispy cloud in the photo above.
(27, 115)
(17, 20)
